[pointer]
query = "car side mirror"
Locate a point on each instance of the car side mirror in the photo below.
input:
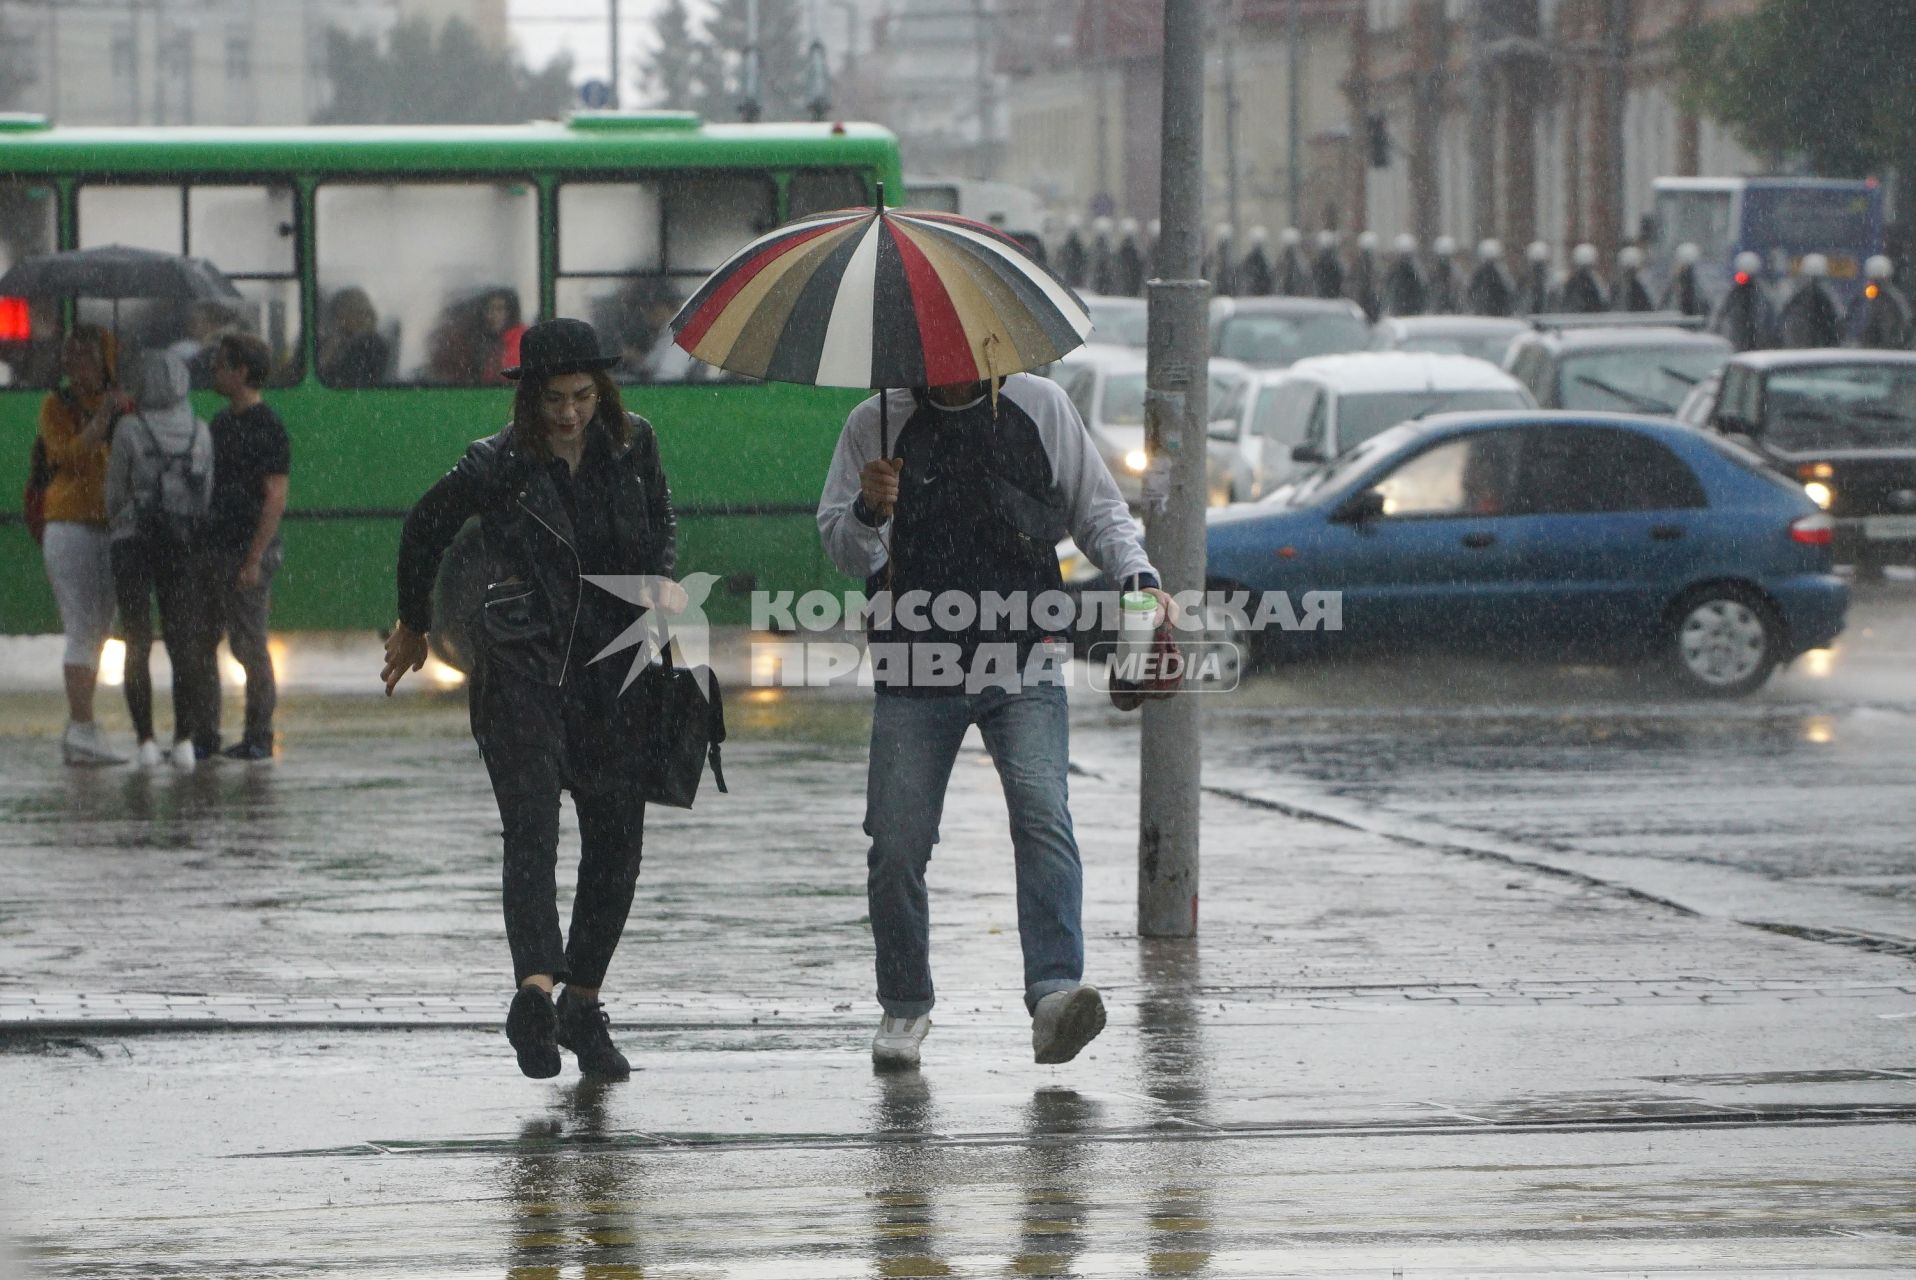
(1306, 453)
(1361, 507)
(1223, 429)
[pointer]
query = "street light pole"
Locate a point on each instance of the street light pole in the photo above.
(1175, 416)
(612, 44)
(1294, 51)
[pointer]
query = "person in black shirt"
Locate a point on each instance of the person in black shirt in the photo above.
(241, 548)
(571, 489)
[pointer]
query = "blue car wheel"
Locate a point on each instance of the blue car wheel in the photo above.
(1723, 641)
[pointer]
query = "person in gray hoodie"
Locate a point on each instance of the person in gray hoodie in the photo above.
(159, 481)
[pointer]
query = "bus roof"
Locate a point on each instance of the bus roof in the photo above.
(584, 141)
(1763, 183)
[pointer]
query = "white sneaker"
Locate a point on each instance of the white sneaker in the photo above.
(149, 756)
(83, 743)
(183, 756)
(1065, 1022)
(895, 1047)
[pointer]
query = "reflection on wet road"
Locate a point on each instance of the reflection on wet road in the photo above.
(1477, 990)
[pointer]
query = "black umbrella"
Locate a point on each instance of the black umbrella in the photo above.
(116, 271)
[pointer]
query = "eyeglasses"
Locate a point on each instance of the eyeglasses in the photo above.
(556, 400)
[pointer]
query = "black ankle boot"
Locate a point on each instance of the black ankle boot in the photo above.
(586, 1029)
(530, 1025)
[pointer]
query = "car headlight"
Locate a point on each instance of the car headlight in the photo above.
(1135, 461)
(1819, 493)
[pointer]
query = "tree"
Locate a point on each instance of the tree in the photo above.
(454, 79)
(1830, 83)
(781, 60)
(675, 71)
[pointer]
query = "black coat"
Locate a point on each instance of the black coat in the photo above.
(532, 605)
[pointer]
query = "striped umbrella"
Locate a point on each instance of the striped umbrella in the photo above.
(881, 298)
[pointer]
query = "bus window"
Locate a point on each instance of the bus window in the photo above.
(630, 253)
(29, 327)
(424, 283)
(245, 231)
(708, 219)
(1701, 218)
(823, 190)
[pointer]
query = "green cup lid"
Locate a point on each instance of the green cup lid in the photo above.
(1139, 600)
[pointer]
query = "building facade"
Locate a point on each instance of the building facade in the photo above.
(206, 62)
(1514, 119)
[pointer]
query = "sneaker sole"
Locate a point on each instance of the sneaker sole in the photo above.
(1079, 1024)
(893, 1060)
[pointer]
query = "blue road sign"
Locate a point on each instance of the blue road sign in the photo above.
(595, 94)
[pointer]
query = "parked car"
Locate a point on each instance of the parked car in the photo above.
(1107, 385)
(1280, 422)
(1565, 536)
(1116, 321)
(1607, 367)
(1842, 423)
(1486, 337)
(1270, 333)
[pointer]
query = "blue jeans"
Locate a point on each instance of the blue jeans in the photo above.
(914, 745)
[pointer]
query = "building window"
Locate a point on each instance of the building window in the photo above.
(126, 81)
(239, 55)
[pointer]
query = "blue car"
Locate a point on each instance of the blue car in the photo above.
(1566, 536)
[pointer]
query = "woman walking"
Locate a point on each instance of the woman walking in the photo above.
(159, 482)
(572, 487)
(74, 424)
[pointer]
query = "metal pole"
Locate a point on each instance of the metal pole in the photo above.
(981, 163)
(1294, 42)
(1228, 35)
(749, 107)
(1176, 413)
(612, 46)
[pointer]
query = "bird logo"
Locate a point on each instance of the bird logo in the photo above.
(648, 634)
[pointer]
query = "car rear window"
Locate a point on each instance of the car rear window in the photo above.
(1274, 341)
(1640, 380)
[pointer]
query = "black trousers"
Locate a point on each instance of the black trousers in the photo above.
(538, 742)
(144, 568)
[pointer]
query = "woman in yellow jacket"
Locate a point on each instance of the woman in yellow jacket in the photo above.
(74, 424)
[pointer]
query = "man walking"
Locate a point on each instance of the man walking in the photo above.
(959, 525)
(251, 459)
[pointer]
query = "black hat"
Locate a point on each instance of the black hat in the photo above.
(559, 346)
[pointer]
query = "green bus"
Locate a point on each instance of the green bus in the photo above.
(391, 269)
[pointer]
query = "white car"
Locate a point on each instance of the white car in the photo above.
(1283, 421)
(1107, 386)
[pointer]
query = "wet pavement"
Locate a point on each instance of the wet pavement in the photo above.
(1501, 972)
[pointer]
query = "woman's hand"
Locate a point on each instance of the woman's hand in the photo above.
(664, 595)
(405, 651)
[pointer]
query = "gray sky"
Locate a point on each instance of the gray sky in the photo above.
(546, 27)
